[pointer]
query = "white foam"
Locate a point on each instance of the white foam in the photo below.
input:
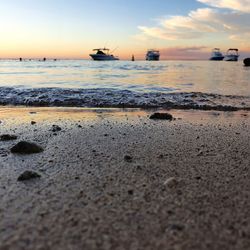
(107, 97)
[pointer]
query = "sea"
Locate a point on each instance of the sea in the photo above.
(144, 84)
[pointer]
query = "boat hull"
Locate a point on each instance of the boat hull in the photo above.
(217, 58)
(97, 57)
(231, 58)
(153, 58)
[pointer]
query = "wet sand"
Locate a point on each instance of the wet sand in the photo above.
(114, 179)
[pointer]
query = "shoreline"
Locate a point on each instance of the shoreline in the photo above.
(114, 179)
(115, 98)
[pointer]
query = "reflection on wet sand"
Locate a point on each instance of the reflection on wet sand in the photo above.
(22, 115)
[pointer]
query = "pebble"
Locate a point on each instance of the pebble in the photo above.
(200, 153)
(56, 128)
(198, 178)
(8, 137)
(171, 182)
(24, 147)
(28, 175)
(161, 116)
(131, 192)
(176, 227)
(128, 158)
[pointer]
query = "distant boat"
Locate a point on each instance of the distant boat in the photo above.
(153, 55)
(232, 55)
(103, 55)
(216, 55)
(246, 62)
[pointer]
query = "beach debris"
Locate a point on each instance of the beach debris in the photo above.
(128, 158)
(8, 137)
(28, 175)
(33, 122)
(56, 128)
(171, 182)
(161, 116)
(24, 147)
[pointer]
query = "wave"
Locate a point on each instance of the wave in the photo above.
(22, 73)
(108, 97)
(143, 68)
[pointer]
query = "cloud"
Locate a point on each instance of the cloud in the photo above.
(205, 23)
(186, 53)
(238, 5)
(182, 27)
(167, 34)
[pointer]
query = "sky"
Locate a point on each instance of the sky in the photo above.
(180, 29)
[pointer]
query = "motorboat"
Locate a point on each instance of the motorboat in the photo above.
(153, 55)
(103, 54)
(246, 62)
(216, 55)
(232, 55)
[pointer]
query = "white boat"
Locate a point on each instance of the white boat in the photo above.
(153, 55)
(216, 55)
(232, 55)
(103, 55)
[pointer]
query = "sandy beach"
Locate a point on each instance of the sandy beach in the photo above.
(114, 179)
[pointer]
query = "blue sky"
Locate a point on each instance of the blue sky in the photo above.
(71, 28)
(93, 14)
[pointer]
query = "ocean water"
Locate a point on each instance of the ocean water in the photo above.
(185, 84)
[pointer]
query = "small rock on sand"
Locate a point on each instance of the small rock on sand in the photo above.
(161, 116)
(56, 128)
(130, 191)
(28, 175)
(171, 182)
(33, 122)
(176, 227)
(24, 147)
(128, 158)
(8, 137)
